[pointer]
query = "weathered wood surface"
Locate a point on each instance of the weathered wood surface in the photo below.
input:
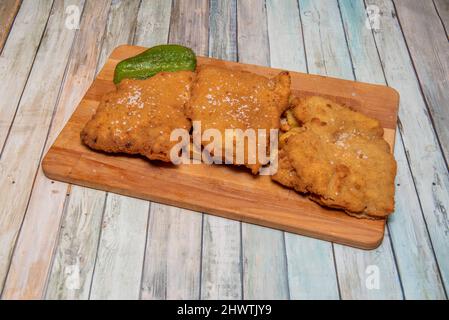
(121, 248)
(28, 131)
(442, 7)
(425, 158)
(417, 230)
(8, 11)
(414, 257)
(429, 48)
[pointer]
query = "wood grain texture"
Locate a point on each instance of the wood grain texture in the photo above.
(80, 73)
(221, 271)
(118, 267)
(442, 7)
(263, 249)
(120, 27)
(316, 279)
(415, 260)
(324, 37)
(166, 273)
(74, 260)
(29, 130)
(8, 11)
(429, 170)
(172, 266)
(17, 58)
(429, 48)
(29, 268)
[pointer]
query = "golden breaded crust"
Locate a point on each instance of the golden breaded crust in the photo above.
(339, 158)
(140, 115)
(228, 99)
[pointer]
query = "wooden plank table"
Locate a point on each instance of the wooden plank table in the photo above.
(59, 241)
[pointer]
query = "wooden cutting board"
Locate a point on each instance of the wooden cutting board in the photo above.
(222, 190)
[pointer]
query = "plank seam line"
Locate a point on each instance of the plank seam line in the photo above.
(302, 36)
(10, 28)
(98, 67)
(411, 174)
(58, 235)
(438, 140)
(284, 255)
(13, 249)
(200, 280)
(266, 33)
(171, 20)
(336, 271)
(242, 268)
(68, 194)
(286, 266)
(242, 265)
(346, 40)
(236, 31)
(25, 84)
(134, 32)
(421, 90)
(402, 145)
(387, 225)
(98, 245)
(106, 196)
(441, 19)
(147, 230)
(345, 31)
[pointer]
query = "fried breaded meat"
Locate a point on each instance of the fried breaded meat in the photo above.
(230, 99)
(338, 157)
(140, 115)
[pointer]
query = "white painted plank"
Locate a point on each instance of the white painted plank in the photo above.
(173, 254)
(17, 57)
(427, 165)
(74, 259)
(29, 130)
(172, 264)
(327, 54)
(153, 22)
(221, 276)
(417, 266)
(315, 279)
(264, 258)
(118, 267)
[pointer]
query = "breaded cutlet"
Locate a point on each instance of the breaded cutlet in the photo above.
(139, 116)
(338, 157)
(231, 99)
